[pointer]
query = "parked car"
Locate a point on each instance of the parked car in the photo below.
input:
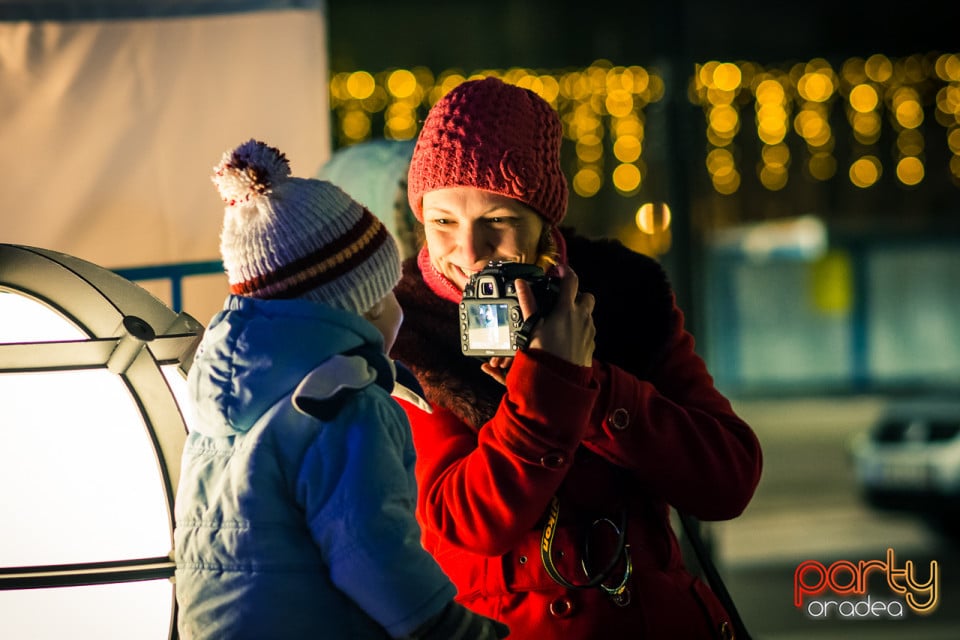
(909, 460)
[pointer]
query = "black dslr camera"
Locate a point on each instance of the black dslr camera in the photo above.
(491, 323)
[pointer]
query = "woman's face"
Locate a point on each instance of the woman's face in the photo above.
(465, 228)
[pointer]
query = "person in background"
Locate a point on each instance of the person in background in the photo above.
(294, 511)
(546, 477)
(374, 173)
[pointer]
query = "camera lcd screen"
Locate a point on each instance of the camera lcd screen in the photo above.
(488, 327)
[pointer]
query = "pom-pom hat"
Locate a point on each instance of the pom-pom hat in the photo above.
(493, 136)
(286, 237)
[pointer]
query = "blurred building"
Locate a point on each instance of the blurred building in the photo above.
(800, 165)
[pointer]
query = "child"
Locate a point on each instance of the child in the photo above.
(294, 512)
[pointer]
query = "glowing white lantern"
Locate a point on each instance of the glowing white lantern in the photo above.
(92, 425)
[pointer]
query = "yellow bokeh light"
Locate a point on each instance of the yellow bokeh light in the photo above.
(776, 154)
(447, 83)
(705, 74)
(866, 127)
(656, 90)
(377, 101)
(953, 141)
(772, 130)
(586, 118)
(617, 79)
(636, 79)
(718, 96)
(865, 172)
(587, 182)
(338, 88)
(807, 123)
(726, 76)
(401, 83)
(355, 124)
(724, 118)
(718, 140)
(821, 138)
(910, 70)
(726, 182)
(771, 112)
(822, 166)
(863, 98)
(400, 121)
(878, 68)
(549, 88)
(589, 153)
(607, 102)
(619, 103)
(948, 67)
(948, 100)
(909, 114)
(575, 86)
(773, 177)
(770, 92)
(817, 87)
(626, 178)
(719, 160)
(826, 145)
(629, 126)
(653, 217)
(514, 75)
(360, 85)
(425, 77)
(910, 142)
(526, 80)
(627, 148)
(853, 72)
(910, 170)
(400, 128)
(813, 128)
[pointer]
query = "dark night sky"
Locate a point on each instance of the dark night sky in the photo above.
(549, 34)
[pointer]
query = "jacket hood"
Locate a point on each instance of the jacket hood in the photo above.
(255, 352)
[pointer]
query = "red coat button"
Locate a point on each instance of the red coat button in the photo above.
(561, 608)
(619, 419)
(553, 459)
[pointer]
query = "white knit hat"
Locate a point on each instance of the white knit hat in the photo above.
(287, 237)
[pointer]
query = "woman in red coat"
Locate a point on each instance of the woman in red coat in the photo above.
(545, 479)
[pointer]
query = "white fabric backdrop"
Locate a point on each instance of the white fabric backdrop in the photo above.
(109, 129)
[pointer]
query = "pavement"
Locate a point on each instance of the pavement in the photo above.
(807, 507)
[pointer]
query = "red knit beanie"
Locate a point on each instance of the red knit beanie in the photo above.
(493, 136)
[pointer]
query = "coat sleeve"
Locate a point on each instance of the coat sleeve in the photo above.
(484, 490)
(357, 487)
(677, 433)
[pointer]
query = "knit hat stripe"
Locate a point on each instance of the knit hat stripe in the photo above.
(286, 237)
(320, 266)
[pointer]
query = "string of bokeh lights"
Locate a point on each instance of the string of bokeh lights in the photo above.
(603, 109)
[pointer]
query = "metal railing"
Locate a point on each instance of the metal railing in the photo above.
(174, 273)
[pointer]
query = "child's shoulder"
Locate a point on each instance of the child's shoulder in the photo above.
(325, 389)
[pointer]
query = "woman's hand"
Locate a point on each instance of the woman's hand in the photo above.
(567, 331)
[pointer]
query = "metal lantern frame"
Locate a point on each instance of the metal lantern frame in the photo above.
(130, 333)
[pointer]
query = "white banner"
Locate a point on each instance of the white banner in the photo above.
(109, 129)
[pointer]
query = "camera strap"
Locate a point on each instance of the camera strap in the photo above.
(523, 333)
(619, 593)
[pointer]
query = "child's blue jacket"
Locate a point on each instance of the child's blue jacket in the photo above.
(287, 525)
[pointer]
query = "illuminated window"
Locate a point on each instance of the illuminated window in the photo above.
(92, 377)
